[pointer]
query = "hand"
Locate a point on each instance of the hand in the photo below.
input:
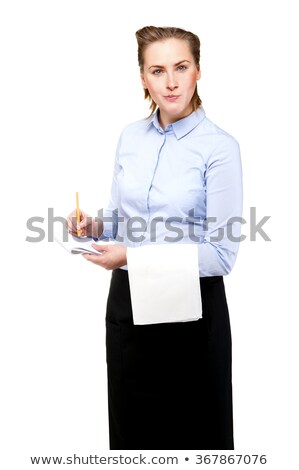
(88, 225)
(113, 256)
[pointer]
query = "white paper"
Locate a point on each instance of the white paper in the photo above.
(164, 283)
(78, 245)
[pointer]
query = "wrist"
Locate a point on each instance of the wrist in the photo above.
(97, 228)
(124, 260)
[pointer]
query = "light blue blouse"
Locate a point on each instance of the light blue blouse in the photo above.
(181, 185)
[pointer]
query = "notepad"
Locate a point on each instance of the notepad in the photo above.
(78, 245)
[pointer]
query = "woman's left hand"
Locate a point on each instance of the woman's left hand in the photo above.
(113, 256)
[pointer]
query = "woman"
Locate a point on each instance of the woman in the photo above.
(169, 382)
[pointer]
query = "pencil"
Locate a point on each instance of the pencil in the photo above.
(78, 214)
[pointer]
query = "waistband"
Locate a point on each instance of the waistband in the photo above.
(203, 280)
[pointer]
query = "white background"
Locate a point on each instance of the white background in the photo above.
(69, 84)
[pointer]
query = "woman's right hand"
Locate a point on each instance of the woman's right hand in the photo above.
(88, 226)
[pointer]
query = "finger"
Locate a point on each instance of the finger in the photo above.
(93, 258)
(72, 230)
(83, 224)
(83, 232)
(98, 247)
(72, 222)
(74, 226)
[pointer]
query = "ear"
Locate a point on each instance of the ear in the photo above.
(198, 75)
(143, 81)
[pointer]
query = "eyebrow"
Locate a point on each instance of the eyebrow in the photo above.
(161, 66)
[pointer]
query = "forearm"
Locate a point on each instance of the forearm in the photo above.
(215, 260)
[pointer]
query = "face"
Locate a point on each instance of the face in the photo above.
(170, 75)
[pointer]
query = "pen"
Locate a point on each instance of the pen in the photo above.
(78, 214)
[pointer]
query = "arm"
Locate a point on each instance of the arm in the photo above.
(224, 201)
(113, 256)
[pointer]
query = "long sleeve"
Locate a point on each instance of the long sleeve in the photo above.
(224, 201)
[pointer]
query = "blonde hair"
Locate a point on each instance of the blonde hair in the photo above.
(149, 34)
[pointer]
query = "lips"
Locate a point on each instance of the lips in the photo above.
(172, 97)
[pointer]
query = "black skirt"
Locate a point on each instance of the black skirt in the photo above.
(169, 384)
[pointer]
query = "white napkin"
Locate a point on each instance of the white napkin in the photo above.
(164, 283)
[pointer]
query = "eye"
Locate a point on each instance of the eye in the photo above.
(182, 67)
(157, 72)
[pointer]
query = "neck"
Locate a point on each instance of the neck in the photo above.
(166, 120)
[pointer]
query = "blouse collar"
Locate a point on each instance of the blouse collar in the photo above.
(181, 127)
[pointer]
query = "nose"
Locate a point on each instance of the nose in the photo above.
(171, 82)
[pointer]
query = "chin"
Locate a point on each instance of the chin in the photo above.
(173, 110)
